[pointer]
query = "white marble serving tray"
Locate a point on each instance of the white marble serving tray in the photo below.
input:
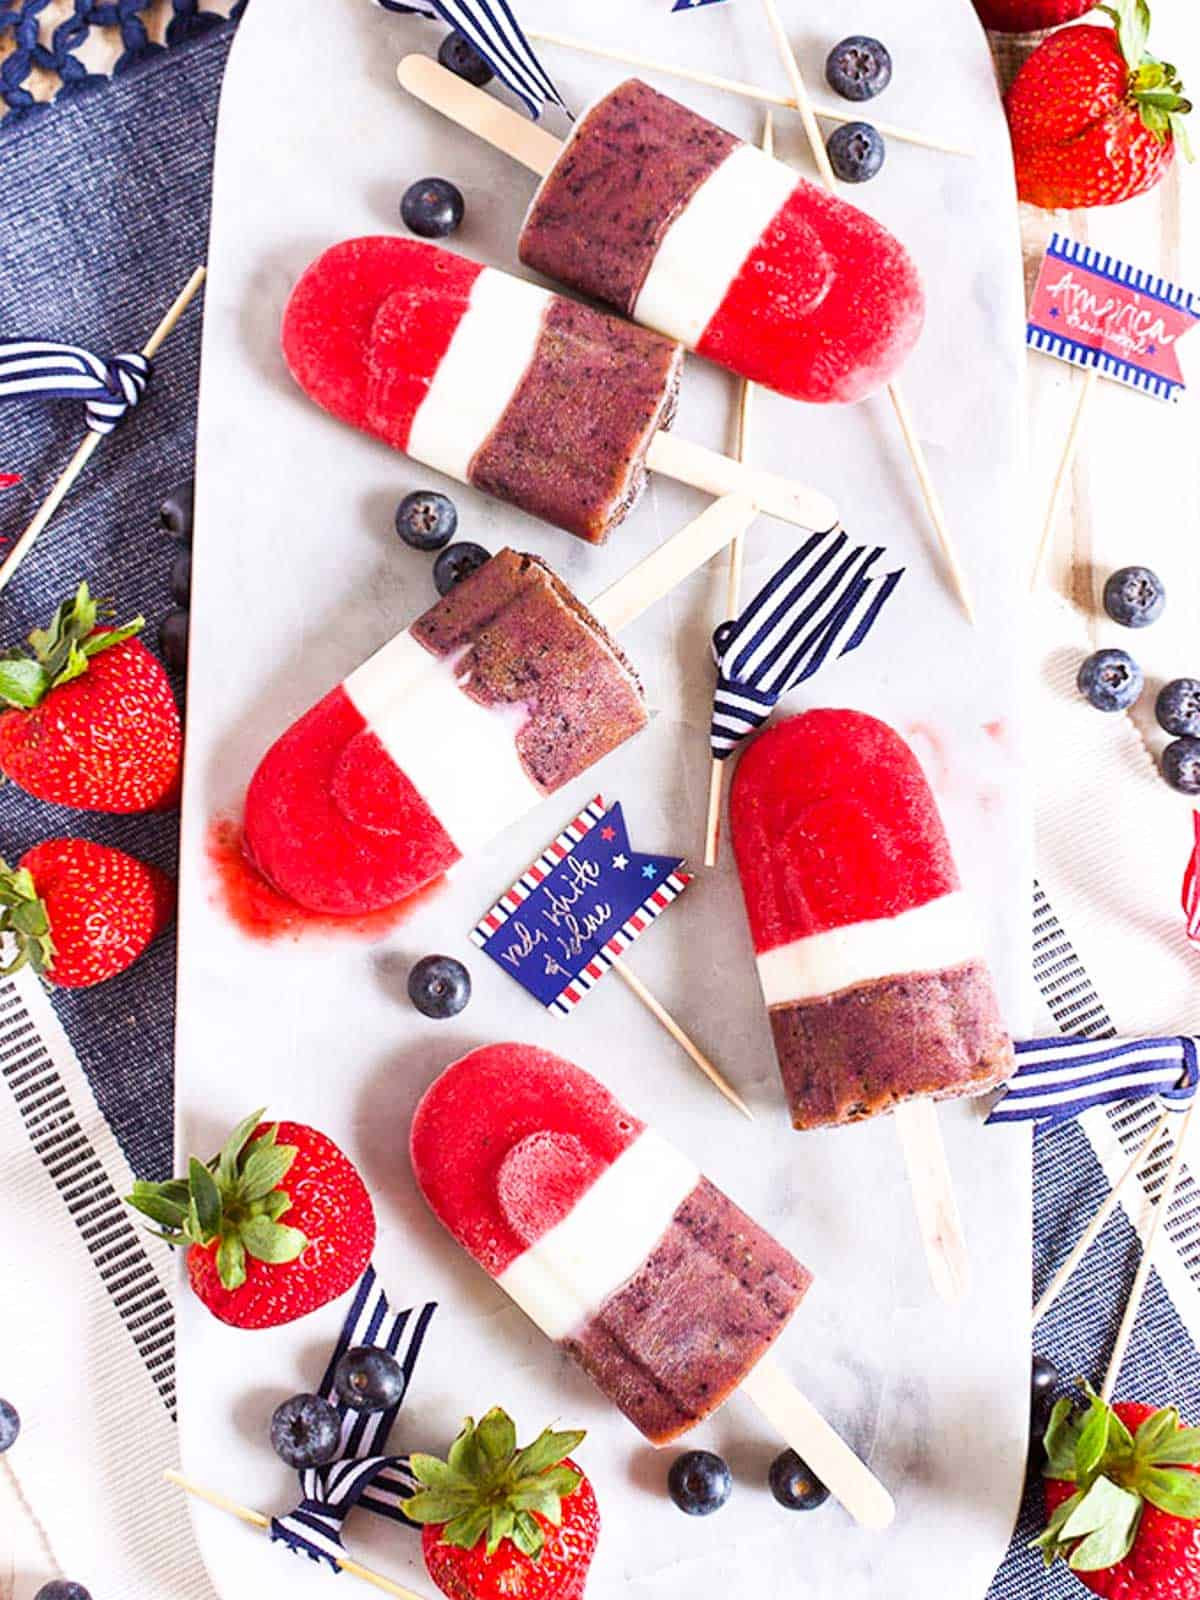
(299, 577)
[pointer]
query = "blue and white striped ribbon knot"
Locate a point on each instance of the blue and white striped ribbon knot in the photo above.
(363, 1473)
(109, 389)
(823, 601)
(1058, 1079)
(495, 32)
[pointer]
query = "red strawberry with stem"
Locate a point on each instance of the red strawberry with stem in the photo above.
(249, 1266)
(1123, 1499)
(1095, 119)
(94, 723)
(1029, 16)
(505, 1523)
(81, 912)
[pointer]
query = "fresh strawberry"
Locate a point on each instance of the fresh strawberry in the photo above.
(249, 1268)
(502, 1523)
(1123, 1499)
(1094, 118)
(81, 912)
(1029, 16)
(96, 725)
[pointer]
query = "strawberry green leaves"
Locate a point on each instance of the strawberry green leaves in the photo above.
(1154, 85)
(488, 1487)
(23, 915)
(234, 1201)
(61, 652)
(1117, 1473)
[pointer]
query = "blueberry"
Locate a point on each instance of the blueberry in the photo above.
(173, 640)
(62, 1589)
(794, 1484)
(856, 151)
(459, 56)
(1181, 765)
(367, 1379)
(859, 68)
(439, 987)
(1178, 707)
(10, 1425)
(175, 513)
(432, 208)
(1043, 1382)
(426, 520)
(699, 1482)
(456, 562)
(181, 578)
(306, 1431)
(1135, 597)
(1110, 680)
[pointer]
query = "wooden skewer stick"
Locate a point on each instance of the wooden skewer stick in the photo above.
(933, 502)
(256, 1520)
(733, 587)
(1070, 451)
(680, 1037)
(83, 453)
(1133, 1305)
(933, 1195)
(747, 91)
(797, 1421)
(1061, 1277)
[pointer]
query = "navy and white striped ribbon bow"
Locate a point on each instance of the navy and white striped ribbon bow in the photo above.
(495, 32)
(824, 599)
(363, 1474)
(109, 389)
(1057, 1079)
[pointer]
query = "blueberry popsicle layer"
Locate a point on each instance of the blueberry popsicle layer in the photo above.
(622, 1252)
(868, 954)
(676, 223)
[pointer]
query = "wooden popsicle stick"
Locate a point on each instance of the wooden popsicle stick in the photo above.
(802, 1426)
(1061, 1277)
(747, 91)
(83, 453)
(1142, 1277)
(437, 87)
(716, 474)
(257, 1520)
(1070, 451)
(933, 1195)
(674, 560)
(668, 1021)
(933, 502)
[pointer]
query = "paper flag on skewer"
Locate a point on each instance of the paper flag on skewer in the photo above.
(579, 906)
(1101, 313)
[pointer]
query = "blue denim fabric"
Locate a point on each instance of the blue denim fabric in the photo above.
(103, 214)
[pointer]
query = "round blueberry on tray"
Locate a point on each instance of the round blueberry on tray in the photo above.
(432, 208)
(1178, 707)
(859, 67)
(175, 513)
(699, 1482)
(369, 1379)
(62, 1589)
(1181, 765)
(181, 578)
(1110, 680)
(456, 562)
(794, 1484)
(856, 152)
(426, 520)
(1135, 597)
(439, 987)
(306, 1431)
(10, 1425)
(459, 56)
(173, 640)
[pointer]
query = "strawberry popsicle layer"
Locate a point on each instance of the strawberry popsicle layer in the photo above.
(868, 954)
(502, 692)
(675, 222)
(612, 1242)
(548, 405)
